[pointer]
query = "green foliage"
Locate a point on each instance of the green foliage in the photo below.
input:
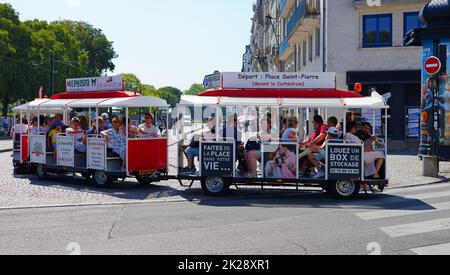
(170, 94)
(26, 48)
(195, 89)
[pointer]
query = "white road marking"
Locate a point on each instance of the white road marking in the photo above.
(417, 228)
(398, 199)
(406, 211)
(440, 249)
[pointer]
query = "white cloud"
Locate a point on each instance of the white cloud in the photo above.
(73, 3)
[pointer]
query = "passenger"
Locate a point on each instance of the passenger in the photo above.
(319, 135)
(253, 148)
(192, 151)
(284, 124)
(77, 132)
(116, 139)
(373, 160)
(94, 131)
(56, 130)
(84, 123)
(106, 123)
(38, 126)
(21, 127)
(148, 128)
(291, 133)
(133, 131)
(320, 153)
(231, 131)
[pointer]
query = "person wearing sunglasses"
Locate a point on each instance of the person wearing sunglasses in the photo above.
(148, 128)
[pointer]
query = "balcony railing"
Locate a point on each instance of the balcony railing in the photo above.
(282, 5)
(284, 45)
(306, 7)
(297, 18)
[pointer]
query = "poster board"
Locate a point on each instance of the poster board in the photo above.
(65, 151)
(345, 161)
(96, 154)
(38, 149)
(280, 160)
(217, 159)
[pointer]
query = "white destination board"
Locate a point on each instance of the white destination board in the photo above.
(279, 80)
(96, 154)
(65, 151)
(38, 152)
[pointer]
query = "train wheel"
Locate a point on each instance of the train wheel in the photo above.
(101, 179)
(344, 189)
(41, 172)
(216, 186)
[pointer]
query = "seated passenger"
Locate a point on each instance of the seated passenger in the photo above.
(94, 131)
(78, 134)
(319, 135)
(56, 127)
(291, 133)
(133, 131)
(38, 129)
(116, 139)
(148, 128)
(284, 125)
(231, 131)
(373, 160)
(320, 153)
(192, 151)
(253, 148)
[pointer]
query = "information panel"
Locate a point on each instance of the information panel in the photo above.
(217, 159)
(345, 161)
(38, 152)
(96, 154)
(65, 152)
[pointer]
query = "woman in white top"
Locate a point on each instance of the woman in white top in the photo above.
(148, 128)
(373, 160)
(291, 133)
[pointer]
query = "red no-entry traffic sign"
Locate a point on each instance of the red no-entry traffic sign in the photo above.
(432, 65)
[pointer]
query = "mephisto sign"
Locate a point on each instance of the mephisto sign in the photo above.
(95, 84)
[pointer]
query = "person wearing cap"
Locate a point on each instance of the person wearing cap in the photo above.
(106, 124)
(78, 134)
(148, 128)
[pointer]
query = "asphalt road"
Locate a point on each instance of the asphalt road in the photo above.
(404, 221)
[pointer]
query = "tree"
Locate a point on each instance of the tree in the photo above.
(170, 94)
(15, 45)
(132, 82)
(94, 42)
(195, 89)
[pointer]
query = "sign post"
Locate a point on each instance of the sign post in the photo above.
(38, 147)
(96, 154)
(432, 65)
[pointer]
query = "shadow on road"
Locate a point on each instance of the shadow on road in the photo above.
(128, 190)
(244, 197)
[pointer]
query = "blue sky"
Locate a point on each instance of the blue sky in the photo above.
(168, 42)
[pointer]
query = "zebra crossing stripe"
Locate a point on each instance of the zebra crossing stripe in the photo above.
(440, 249)
(417, 228)
(421, 208)
(396, 199)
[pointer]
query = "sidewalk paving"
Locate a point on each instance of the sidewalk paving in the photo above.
(5, 144)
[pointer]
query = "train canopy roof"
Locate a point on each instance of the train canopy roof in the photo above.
(309, 98)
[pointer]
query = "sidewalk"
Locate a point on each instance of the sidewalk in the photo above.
(5, 144)
(406, 171)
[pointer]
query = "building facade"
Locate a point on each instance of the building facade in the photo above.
(360, 40)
